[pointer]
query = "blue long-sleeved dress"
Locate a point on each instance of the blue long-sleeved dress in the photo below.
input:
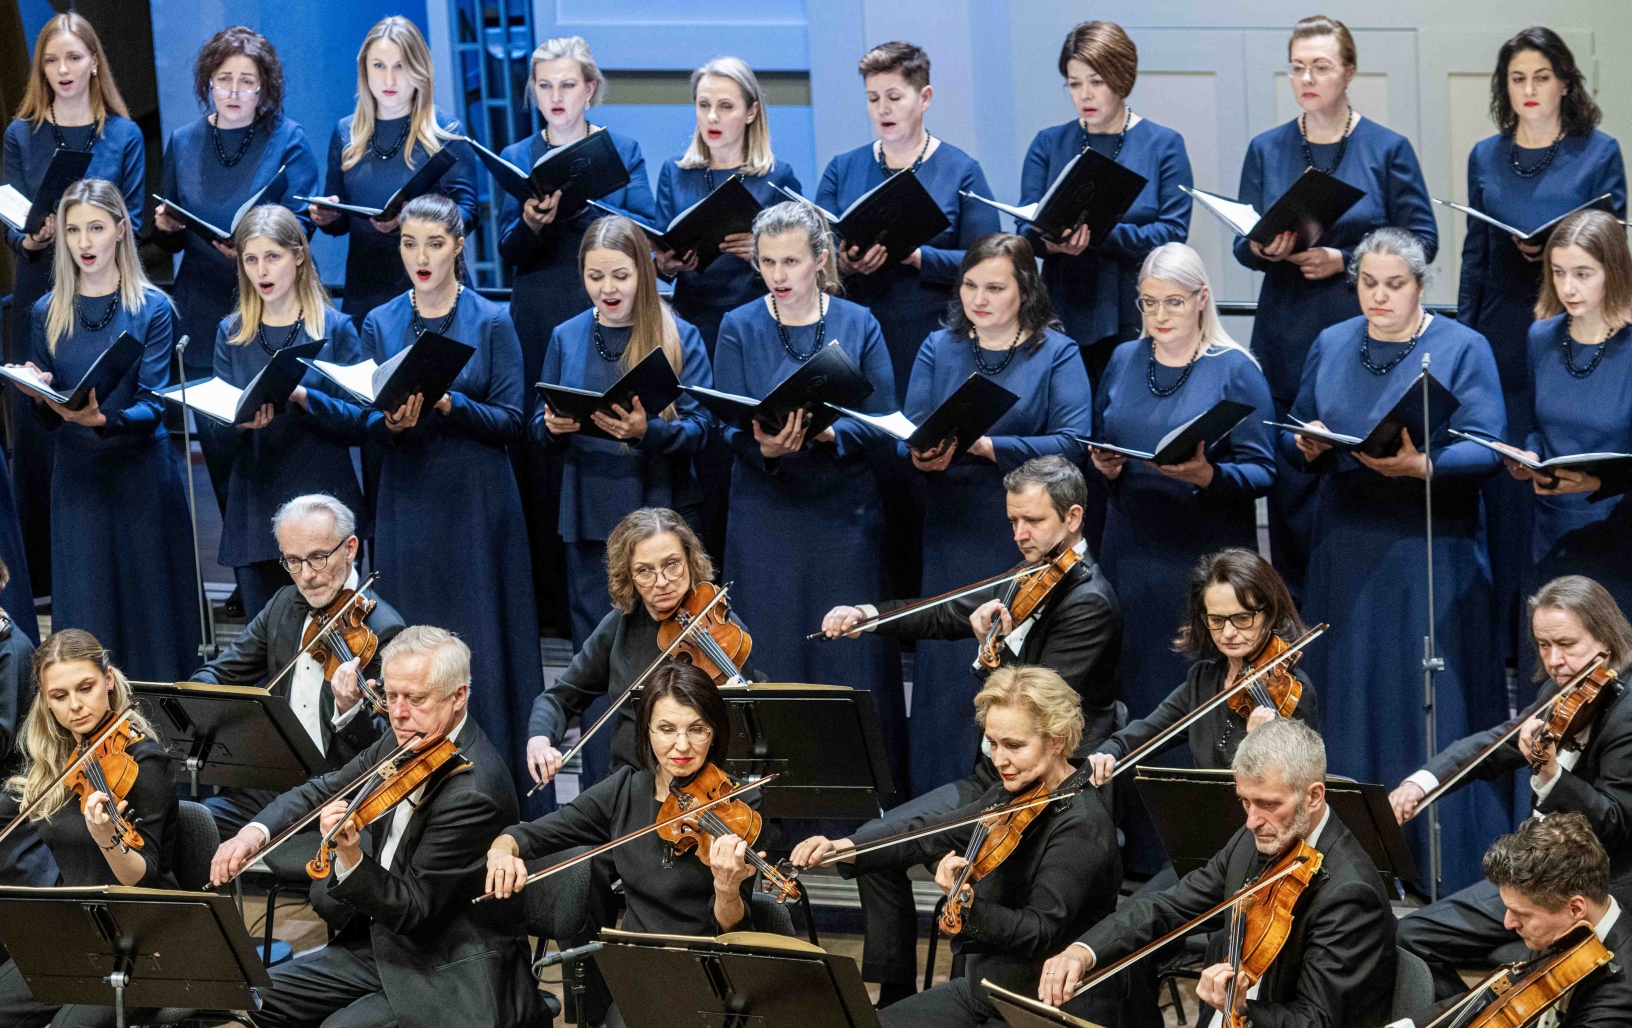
(122, 561)
(119, 156)
(805, 531)
(966, 525)
(602, 480)
(449, 542)
(1292, 311)
(1094, 292)
(1497, 298)
(374, 271)
(910, 302)
(1157, 527)
(1367, 575)
(292, 456)
(1581, 533)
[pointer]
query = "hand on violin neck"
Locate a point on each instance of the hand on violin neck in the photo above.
(1259, 717)
(1545, 754)
(346, 687)
(946, 872)
(348, 842)
(98, 821)
(1213, 987)
(981, 620)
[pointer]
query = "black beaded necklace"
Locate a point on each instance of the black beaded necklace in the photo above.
(1184, 376)
(600, 343)
(1569, 357)
(221, 151)
(62, 142)
(418, 324)
(588, 128)
(821, 330)
(294, 333)
(1520, 170)
(708, 177)
(1121, 137)
(1394, 362)
(888, 171)
(1008, 355)
(1342, 144)
(402, 137)
(105, 320)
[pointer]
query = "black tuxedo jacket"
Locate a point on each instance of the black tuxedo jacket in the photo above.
(1336, 970)
(1604, 999)
(442, 962)
(271, 640)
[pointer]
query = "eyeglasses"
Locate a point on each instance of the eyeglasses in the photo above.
(317, 561)
(1320, 69)
(697, 735)
(225, 87)
(1174, 304)
(671, 572)
(1241, 619)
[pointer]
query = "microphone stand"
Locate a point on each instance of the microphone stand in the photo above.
(206, 613)
(1431, 662)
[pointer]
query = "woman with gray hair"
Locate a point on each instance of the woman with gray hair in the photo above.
(1367, 558)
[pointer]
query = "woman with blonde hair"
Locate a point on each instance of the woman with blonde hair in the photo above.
(71, 103)
(376, 149)
(80, 693)
(122, 561)
(1162, 518)
(639, 458)
(279, 454)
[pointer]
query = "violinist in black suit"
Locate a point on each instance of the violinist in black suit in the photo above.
(317, 537)
(409, 948)
(1076, 633)
(1572, 620)
(1336, 968)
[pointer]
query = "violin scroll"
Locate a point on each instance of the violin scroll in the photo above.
(1572, 715)
(111, 770)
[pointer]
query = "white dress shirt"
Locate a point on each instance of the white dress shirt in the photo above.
(400, 816)
(306, 689)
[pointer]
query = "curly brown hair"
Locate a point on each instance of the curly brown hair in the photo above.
(1548, 860)
(636, 527)
(1578, 113)
(241, 41)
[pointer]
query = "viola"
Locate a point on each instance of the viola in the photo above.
(396, 781)
(1279, 690)
(719, 646)
(1024, 599)
(1572, 715)
(339, 633)
(991, 844)
(108, 768)
(1518, 994)
(1261, 923)
(733, 817)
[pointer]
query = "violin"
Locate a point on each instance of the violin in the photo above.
(1572, 715)
(720, 646)
(1279, 690)
(394, 782)
(339, 633)
(1024, 599)
(733, 817)
(1260, 924)
(991, 844)
(1516, 995)
(107, 768)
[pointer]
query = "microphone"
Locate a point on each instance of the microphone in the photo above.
(181, 347)
(561, 956)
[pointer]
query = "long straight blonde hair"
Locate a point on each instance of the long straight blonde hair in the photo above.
(757, 158)
(47, 746)
(1182, 266)
(103, 95)
(275, 222)
(133, 282)
(654, 326)
(416, 61)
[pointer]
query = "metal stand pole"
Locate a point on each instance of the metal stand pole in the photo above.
(1431, 663)
(206, 614)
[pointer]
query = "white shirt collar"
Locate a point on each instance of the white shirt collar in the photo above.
(1314, 836)
(1606, 924)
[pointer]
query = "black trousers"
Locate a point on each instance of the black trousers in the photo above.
(1463, 928)
(961, 1003)
(18, 1009)
(336, 987)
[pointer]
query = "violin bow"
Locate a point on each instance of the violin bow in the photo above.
(944, 826)
(1245, 893)
(1161, 738)
(617, 704)
(605, 847)
(73, 765)
(1518, 724)
(934, 601)
(323, 630)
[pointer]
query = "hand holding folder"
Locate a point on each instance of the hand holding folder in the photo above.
(227, 404)
(427, 368)
(1384, 439)
(827, 379)
(1179, 446)
(652, 382)
(25, 214)
(965, 416)
(104, 376)
(272, 192)
(424, 180)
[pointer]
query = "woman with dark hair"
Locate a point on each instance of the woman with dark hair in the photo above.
(1547, 157)
(1000, 328)
(1093, 282)
(211, 167)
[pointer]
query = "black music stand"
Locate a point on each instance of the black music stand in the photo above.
(1026, 1012)
(237, 736)
(121, 946)
(1196, 812)
(824, 739)
(744, 980)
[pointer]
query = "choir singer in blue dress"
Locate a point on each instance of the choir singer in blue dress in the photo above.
(70, 103)
(377, 149)
(122, 562)
(647, 463)
(1547, 158)
(1093, 282)
(1001, 327)
(1304, 293)
(278, 456)
(1368, 563)
(1162, 519)
(806, 525)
